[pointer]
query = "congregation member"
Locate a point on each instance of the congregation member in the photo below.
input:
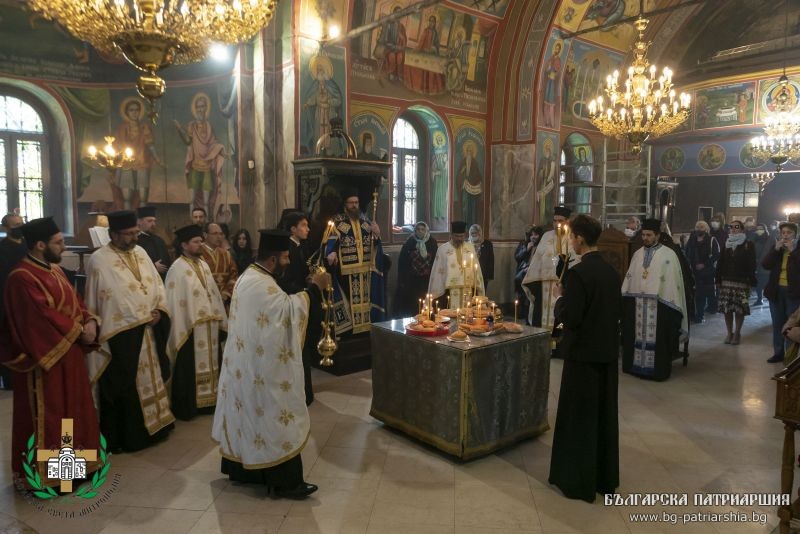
(654, 313)
(719, 231)
(762, 241)
(261, 422)
(197, 316)
(242, 250)
(633, 231)
(543, 273)
(220, 260)
(12, 251)
(49, 332)
(354, 251)
(585, 457)
(199, 217)
(451, 273)
(686, 271)
(124, 290)
(736, 274)
(783, 287)
(485, 252)
(151, 243)
(523, 255)
(702, 253)
(414, 270)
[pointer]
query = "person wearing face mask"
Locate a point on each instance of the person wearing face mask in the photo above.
(523, 255)
(12, 251)
(736, 274)
(719, 231)
(633, 231)
(783, 287)
(702, 253)
(761, 240)
(414, 270)
(485, 252)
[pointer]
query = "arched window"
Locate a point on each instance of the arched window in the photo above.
(406, 156)
(23, 155)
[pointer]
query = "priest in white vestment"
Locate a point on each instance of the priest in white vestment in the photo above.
(543, 271)
(198, 315)
(456, 271)
(654, 315)
(261, 421)
(124, 289)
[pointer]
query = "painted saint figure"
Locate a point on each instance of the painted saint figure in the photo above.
(546, 173)
(469, 175)
(136, 134)
(204, 156)
(391, 48)
(550, 98)
(323, 101)
(439, 177)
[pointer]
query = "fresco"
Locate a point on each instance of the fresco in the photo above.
(322, 92)
(439, 53)
(371, 136)
(318, 15)
(469, 154)
(733, 154)
(547, 169)
(747, 158)
(550, 82)
(594, 13)
(711, 157)
(727, 105)
(584, 78)
(672, 159)
(512, 190)
(769, 90)
(439, 167)
(495, 8)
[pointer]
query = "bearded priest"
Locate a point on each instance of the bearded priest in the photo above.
(261, 422)
(456, 271)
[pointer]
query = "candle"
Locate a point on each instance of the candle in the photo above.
(420, 306)
(475, 278)
(458, 315)
(516, 302)
(448, 302)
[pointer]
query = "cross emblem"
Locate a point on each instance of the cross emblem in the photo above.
(64, 464)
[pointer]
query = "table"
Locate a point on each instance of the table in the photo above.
(464, 399)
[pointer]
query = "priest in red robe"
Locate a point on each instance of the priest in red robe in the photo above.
(50, 329)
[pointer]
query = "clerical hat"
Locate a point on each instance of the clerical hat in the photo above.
(458, 227)
(39, 230)
(187, 233)
(146, 211)
(121, 220)
(562, 211)
(348, 192)
(654, 225)
(273, 241)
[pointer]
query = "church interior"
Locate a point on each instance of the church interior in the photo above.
(495, 113)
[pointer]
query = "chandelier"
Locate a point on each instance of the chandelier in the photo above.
(646, 107)
(109, 158)
(762, 179)
(154, 34)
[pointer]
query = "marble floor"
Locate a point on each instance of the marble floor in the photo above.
(709, 429)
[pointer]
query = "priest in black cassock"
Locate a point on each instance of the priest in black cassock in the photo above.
(653, 308)
(151, 243)
(585, 458)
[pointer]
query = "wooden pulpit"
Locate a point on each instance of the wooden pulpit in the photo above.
(787, 409)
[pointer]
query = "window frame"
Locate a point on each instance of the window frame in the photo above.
(423, 153)
(742, 192)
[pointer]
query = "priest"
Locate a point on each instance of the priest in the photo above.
(654, 317)
(124, 289)
(456, 272)
(220, 260)
(261, 421)
(545, 266)
(150, 242)
(354, 251)
(50, 330)
(197, 315)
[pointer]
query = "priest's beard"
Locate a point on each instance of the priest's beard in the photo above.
(50, 256)
(353, 213)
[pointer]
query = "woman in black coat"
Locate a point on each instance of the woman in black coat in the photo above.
(522, 256)
(702, 253)
(414, 270)
(736, 274)
(485, 251)
(242, 250)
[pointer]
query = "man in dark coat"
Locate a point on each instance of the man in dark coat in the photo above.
(585, 458)
(12, 251)
(151, 243)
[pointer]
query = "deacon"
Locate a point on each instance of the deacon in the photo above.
(456, 271)
(585, 458)
(123, 288)
(354, 246)
(150, 242)
(545, 267)
(653, 308)
(50, 330)
(197, 316)
(261, 421)
(220, 260)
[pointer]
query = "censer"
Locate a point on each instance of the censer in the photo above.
(327, 344)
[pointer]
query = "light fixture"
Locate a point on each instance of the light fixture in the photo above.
(781, 141)
(218, 52)
(109, 158)
(647, 107)
(154, 34)
(762, 179)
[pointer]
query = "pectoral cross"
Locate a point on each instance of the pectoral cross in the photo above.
(90, 455)
(644, 274)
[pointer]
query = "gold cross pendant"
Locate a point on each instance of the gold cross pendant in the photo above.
(644, 275)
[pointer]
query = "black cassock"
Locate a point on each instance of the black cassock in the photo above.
(184, 387)
(156, 249)
(413, 275)
(585, 458)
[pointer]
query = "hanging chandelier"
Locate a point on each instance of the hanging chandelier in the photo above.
(762, 179)
(646, 107)
(154, 34)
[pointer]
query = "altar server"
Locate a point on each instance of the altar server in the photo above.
(456, 271)
(198, 315)
(654, 308)
(261, 421)
(124, 289)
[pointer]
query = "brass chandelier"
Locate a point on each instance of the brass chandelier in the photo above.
(646, 107)
(762, 179)
(154, 34)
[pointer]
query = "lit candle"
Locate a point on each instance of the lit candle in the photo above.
(516, 302)
(420, 306)
(475, 278)
(448, 302)
(458, 315)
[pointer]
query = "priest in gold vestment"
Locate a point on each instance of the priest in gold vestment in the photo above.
(456, 271)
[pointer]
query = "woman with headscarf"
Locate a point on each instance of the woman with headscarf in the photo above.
(242, 249)
(736, 274)
(761, 240)
(485, 252)
(414, 270)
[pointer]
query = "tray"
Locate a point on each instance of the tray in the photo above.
(433, 333)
